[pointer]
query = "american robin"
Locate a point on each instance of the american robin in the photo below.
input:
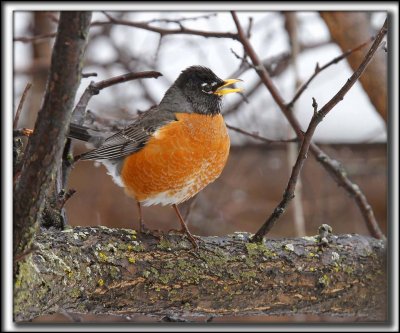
(171, 152)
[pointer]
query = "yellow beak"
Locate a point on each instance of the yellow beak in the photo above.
(220, 91)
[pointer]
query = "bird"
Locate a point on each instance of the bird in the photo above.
(172, 151)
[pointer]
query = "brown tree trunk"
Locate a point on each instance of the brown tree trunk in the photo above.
(45, 146)
(114, 271)
(349, 29)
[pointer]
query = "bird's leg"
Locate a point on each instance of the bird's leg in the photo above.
(185, 228)
(142, 228)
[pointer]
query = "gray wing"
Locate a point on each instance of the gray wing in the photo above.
(132, 138)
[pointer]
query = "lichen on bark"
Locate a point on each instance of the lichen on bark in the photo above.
(116, 271)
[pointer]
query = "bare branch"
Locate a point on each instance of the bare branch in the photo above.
(86, 75)
(258, 137)
(78, 115)
(183, 19)
(21, 104)
(163, 31)
(288, 195)
(328, 164)
(319, 69)
(274, 65)
(142, 25)
(34, 39)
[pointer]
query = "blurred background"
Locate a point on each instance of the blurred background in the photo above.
(290, 45)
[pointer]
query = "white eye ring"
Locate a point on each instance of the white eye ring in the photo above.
(209, 92)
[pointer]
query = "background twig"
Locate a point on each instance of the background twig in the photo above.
(319, 69)
(259, 137)
(21, 104)
(163, 31)
(78, 115)
(321, 156)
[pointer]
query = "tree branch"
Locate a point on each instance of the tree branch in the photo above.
(288, 195)
(114, 271)
(34, 38)
(182, 19)
(78, 115)
(21, 104)
(44, 149)
(259, 137)
(330, 165)
(164, 32)
(319, 69)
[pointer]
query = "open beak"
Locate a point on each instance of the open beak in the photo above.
(221, 91)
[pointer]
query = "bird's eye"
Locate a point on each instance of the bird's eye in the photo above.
(206, 88)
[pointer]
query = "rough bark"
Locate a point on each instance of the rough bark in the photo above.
(45, 146)
(349, 29)
(114, 271)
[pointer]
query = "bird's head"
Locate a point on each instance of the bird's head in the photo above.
(203, 90)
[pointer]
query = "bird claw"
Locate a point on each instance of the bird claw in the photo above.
(193, 239)
(148, 232)
(176, 231)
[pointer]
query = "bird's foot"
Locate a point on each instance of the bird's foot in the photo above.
(193, 239)
(176, 231)
(143, 230)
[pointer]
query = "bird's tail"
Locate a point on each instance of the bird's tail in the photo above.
(85, 134)
(79, 132)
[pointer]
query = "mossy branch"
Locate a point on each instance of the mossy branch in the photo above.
(115, 271)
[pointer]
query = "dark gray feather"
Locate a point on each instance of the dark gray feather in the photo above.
(132, 138)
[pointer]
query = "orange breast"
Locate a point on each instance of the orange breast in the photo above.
(178, 161)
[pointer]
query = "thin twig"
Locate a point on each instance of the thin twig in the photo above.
(78, 115)
(126, 77)
(322, 157)
(281, 60)
(34, 38)
(274, 65)
(182, 19)
(162, 31)
(86, 75)
(21, 104)
(244, 61)
(248, 93)
(318, 116)
(319, 69)
(249, 27)
(288, 195)
(258, 137)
